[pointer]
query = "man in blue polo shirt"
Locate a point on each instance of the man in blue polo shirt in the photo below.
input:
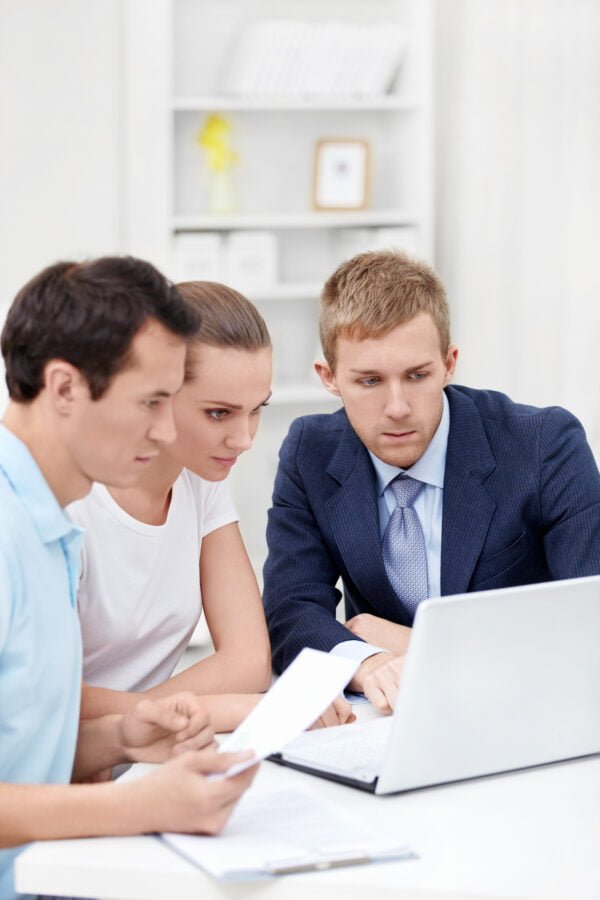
(93, 354)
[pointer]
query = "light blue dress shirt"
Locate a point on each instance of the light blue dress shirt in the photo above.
(40, 638)
(428, 506)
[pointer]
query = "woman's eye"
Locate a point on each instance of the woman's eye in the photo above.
(217, 414)
(151, 404)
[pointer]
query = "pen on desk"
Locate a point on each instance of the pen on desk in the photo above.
(293, 867)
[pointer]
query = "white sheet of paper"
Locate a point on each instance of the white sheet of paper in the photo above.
(295, 701)
(279, 831)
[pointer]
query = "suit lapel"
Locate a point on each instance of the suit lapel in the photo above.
(468, 508)
(354, 518)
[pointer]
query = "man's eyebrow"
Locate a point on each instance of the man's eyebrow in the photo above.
(375, 371)
(423, 365)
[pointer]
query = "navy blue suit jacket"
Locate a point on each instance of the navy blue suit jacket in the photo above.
(521, 504)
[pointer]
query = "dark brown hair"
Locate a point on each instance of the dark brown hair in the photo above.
(372, 293)
(86, 314)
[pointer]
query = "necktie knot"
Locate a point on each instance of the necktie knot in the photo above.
(405, 490)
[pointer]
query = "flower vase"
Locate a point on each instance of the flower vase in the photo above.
(221, 197)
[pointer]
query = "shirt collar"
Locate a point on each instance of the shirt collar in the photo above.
(430, 467)
(32, 489)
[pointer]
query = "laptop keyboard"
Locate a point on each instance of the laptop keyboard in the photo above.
(356, 751)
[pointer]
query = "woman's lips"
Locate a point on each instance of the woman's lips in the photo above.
(146, 458)
(225, 460)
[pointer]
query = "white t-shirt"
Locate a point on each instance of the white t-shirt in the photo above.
(139, 594)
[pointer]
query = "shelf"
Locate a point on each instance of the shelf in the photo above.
(291, 291)
(177, 55)
(281, 103)
(301, 393)
(323, 219)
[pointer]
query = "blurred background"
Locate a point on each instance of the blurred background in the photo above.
(260, 142)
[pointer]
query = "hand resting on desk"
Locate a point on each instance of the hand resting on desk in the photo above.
(338, 713)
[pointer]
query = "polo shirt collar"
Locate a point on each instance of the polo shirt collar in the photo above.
(430, 467)
(32, 489)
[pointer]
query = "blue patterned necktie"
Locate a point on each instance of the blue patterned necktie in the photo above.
(403, 546)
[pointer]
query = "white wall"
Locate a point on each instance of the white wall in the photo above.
(60, 135)
(518, 196)
(518, 151)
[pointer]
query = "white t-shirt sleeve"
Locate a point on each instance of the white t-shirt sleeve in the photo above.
(214, 503)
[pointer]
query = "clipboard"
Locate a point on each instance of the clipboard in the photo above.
(286, 832)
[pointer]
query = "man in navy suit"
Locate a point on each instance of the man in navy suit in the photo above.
(507, 494)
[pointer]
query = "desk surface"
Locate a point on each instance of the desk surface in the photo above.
(529, 835)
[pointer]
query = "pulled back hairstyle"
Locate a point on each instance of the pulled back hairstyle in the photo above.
(372, 293)
(227, 319)
(86, 314)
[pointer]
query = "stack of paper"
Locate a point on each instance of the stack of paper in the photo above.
(314, 59)
(285, 832)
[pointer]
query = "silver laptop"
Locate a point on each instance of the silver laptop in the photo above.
(493, 681)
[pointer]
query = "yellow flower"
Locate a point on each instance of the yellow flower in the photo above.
(213, 137)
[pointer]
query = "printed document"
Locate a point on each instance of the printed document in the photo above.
(295, 701)
(282, 832)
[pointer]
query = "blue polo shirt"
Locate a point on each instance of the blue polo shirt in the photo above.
(40, 639)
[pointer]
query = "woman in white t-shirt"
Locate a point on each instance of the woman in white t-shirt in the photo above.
(157, 554)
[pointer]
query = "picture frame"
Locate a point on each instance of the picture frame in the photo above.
(341, 174)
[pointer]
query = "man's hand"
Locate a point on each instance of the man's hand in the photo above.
(378, 678)
(176, 796)
(380, 684)
(338, 713)
(380, 632)
(155, 730)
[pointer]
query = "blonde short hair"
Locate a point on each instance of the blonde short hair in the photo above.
(372, 293)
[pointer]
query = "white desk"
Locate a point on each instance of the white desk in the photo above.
(533, 834)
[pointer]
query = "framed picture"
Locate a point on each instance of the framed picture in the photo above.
(341, 174)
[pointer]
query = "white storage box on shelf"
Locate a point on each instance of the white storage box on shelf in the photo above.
(251, 260)
(198, 257)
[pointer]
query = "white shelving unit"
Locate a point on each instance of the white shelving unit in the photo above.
(177, 53)
(318, 219)
(222, 103)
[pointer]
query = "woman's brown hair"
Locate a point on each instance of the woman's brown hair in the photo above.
(227, 319)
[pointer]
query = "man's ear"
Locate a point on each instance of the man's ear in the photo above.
(450, 363)
(327, 377)
(64, 384)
